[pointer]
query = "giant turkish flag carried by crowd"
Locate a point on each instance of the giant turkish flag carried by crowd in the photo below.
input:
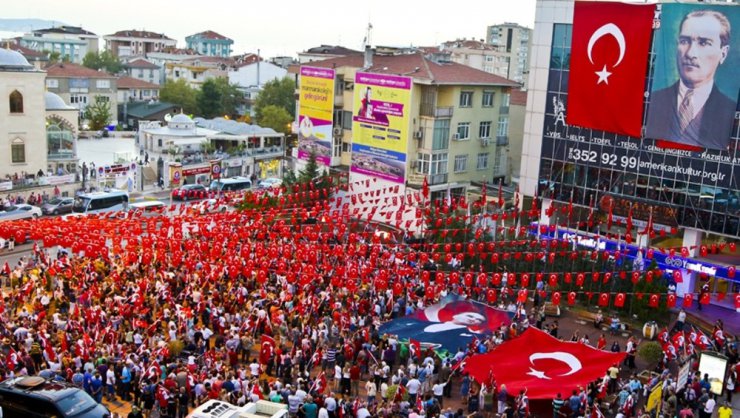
(608, 64)
(542, 364)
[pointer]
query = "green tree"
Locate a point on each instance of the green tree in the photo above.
(209, 100)
(280, 93)
(650, 352)
(102, 61)
(54, 56)
(310, 171)
(231, 96)
(276, 118)
(180, 93)
(98, 113)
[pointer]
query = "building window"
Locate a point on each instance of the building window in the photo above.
(141, 73)
(484, 130)
(17, 151)
(461, 163)
(422, 163)
(482, 161)
(503, 126)
(102, 84)
(505, 98)
(104, 99)
(441, 136)
(487, 99)
(79, 99)
(439, 164)
(16, 102)
(463, 130)
(466, 99)
(52, 83)
(159, 142)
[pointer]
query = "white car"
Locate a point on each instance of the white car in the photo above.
(20, 211)
(210, 206)
(269, 182)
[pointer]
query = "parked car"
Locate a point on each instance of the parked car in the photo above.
(58, 206)
(20, 211)
(34, 396)
(269, 182)
(189, 191)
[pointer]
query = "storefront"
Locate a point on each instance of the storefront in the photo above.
(694, 272)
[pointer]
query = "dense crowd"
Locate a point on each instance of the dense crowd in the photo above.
(265, 312)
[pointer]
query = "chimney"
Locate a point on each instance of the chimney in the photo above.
(368, 57)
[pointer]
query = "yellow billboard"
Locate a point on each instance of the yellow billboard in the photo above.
(315, 113)
(380, 125)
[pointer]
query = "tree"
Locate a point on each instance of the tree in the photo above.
(276, 118)
(98, 113)
(280, 93)
(102, 61)
(209, 100)
(310, 171)
(650, 352)
(231, 96)
(180, 93)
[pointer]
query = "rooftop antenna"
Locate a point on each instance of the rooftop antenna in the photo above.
(368, 34)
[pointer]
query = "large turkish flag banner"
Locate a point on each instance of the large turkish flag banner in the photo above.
(542, 364)
(608, 65)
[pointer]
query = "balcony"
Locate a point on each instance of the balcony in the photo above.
(502, 140)
(436, 111)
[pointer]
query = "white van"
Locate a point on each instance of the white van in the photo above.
(95, 202)
(230, 185)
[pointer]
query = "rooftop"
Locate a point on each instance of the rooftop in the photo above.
(69, 70)
(421, 69)
(126, 82)
(133, 33)
(208, 34)
(13, 61)
(28, 53)
(71, 30)
(144, 110)
(140, 63)
(233, 127)
(54, 102)
(332, 50)
(470, 44)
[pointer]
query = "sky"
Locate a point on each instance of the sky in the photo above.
(287, 27)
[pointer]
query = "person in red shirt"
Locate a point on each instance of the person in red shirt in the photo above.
(354, 377)
(601, 343)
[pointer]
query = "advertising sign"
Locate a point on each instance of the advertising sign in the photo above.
(380, 126)
(695, 87)
(175, 174)
(315, 113)
(715, 366)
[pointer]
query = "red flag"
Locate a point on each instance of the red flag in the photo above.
(608, 65)
(414, 348)
(542, 364)
(267, 347)
(500, 195)
(425, 188)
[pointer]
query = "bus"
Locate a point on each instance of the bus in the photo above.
(113, 200)
(230, 185)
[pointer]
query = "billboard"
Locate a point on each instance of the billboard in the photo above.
(380, 126)
(315, 113)
(697, 188)
(695, 86)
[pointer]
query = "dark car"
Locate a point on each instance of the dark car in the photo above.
(190, 191)
(34, 396)
(58, 206)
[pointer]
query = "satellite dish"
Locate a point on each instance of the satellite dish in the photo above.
(167, 117)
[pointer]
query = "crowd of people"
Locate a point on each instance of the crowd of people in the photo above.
(243, 306)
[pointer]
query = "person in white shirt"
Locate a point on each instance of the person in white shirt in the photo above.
(413, 385)
(372, 391)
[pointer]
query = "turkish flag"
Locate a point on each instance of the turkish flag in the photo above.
(542, 364)
(619, 300)
(688, 300)
(608, 65)
(414, 348)
(604, 299)
(671, 300)
(556, 298)
(267, 347)
(654, 300)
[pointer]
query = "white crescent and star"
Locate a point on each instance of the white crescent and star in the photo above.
(616, 33)
(569, 359)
